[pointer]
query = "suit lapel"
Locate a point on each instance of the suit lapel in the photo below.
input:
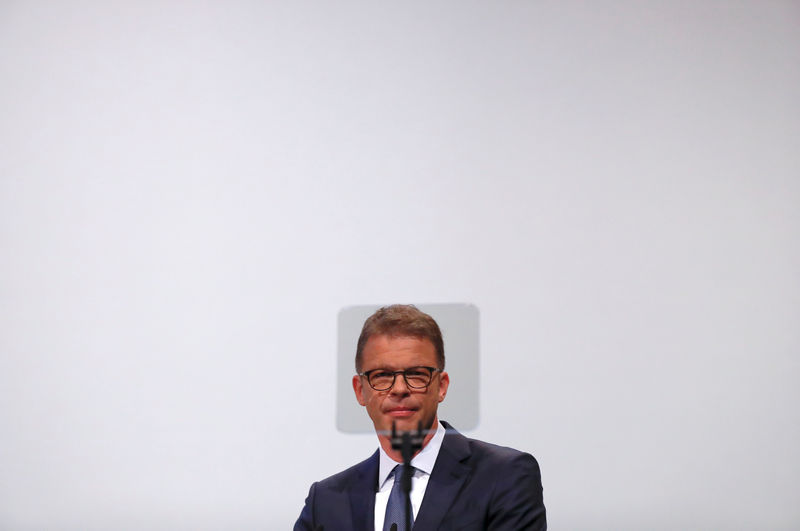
(449, 474)
(362, 495)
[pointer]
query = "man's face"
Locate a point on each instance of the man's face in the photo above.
(402, 404)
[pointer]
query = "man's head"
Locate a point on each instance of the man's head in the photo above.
(400, 338)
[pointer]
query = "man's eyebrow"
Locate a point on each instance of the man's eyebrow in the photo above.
(393, 370)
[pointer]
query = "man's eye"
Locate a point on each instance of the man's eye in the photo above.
(382, 374)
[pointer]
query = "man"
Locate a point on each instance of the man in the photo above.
(457, 483)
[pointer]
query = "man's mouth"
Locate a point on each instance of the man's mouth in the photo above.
(401, 412)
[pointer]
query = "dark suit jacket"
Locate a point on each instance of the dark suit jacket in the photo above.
(474, 485)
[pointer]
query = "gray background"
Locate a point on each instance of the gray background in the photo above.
(460, 326)
(190, 192)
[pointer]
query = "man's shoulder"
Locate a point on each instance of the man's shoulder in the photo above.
(505, 483)
(333, 498)
(485, 452)
(502, 453)
(341, 480)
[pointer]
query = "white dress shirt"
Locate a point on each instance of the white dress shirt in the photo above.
(423, 466)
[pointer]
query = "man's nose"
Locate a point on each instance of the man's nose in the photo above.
(400, 387)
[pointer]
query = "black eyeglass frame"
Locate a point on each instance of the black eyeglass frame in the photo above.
(433, 370)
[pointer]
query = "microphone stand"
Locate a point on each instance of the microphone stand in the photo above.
(408, 443)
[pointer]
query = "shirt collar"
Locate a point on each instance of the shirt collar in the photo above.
(423, 461)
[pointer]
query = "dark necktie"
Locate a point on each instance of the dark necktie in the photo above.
(396, 508)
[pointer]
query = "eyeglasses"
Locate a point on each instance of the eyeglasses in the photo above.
(415, 377)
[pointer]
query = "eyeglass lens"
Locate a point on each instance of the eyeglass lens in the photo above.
(416, 378)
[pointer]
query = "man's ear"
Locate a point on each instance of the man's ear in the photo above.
(359, 390)
(444, 383)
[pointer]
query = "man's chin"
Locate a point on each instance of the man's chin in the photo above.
(403, 422)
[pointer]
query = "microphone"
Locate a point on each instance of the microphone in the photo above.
(393, 528)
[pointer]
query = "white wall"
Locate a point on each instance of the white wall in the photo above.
(190, 191)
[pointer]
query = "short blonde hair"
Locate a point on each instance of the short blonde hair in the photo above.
(401, 320)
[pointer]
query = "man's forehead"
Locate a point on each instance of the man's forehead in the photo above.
(401, 350)
(394, 342)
